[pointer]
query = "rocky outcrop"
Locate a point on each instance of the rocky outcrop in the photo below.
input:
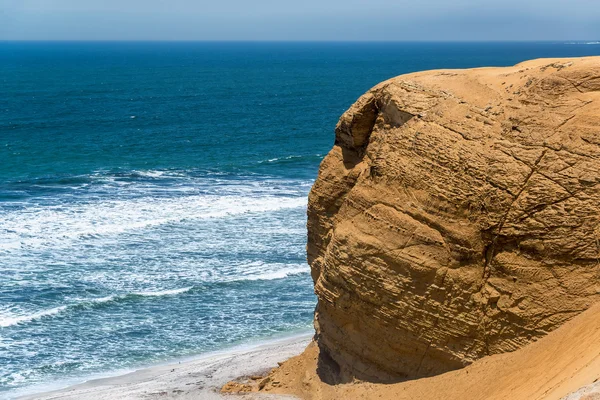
(457, 215)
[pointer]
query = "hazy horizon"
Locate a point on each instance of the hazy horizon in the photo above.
(588, 41)
(310, 20)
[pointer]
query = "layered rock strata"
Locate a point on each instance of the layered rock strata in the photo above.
(457, 216)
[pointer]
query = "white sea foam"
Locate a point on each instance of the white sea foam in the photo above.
(53, 226)
(585, 43)
(151, 173)
(154, 173)
(250, 272)
(274, 274)
(165, 292)
(102, 299)
(10, 320)
(271, 160)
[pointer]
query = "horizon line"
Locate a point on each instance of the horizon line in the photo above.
(564, 41)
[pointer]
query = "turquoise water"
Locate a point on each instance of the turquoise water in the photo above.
(153, 195)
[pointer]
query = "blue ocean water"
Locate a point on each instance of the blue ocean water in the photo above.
(153, 195)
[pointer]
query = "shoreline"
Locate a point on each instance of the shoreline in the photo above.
(197, 377)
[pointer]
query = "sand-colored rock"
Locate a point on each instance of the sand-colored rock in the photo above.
(553, 368)
(457, 216)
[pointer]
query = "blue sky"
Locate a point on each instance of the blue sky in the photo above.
(299, 20)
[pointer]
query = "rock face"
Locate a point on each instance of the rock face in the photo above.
(457, 215)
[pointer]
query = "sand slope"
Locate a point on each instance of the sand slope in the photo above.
(551, 368)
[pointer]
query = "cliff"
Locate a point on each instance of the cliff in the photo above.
(457, 216)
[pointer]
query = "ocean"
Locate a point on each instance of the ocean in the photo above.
(153, 194)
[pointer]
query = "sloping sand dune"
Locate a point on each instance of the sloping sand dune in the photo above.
(551, 368)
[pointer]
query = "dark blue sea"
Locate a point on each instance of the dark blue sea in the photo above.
(153, 195)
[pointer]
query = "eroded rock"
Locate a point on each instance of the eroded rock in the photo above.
(457, 216)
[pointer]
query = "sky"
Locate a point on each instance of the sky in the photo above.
(329, 20)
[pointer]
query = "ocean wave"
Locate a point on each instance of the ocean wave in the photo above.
(164, 292)
(258, 271)
(272, 275)
(251, 273)
(11, 320)
(105, 180)
(149, 173)
(62, 225)
(585, 43)
(6, 321)
(290, 158)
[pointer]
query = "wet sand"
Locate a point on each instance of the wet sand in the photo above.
(199, 378)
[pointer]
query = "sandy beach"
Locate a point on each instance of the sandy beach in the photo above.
(199, 378)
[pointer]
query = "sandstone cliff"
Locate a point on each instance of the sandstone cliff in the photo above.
(457, 216)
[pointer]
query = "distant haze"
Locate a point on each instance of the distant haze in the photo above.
(299, 20)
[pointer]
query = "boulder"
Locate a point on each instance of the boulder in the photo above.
(457, 216)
